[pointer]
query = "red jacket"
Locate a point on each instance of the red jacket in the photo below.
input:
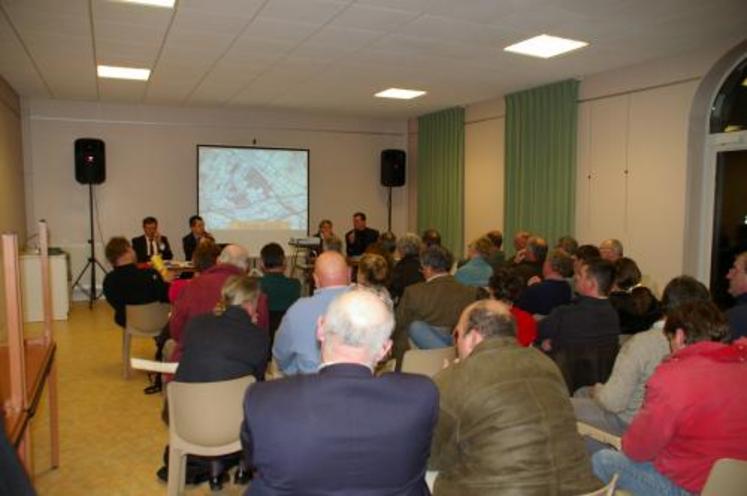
(694, 412)
(200, 296)
(526, 326)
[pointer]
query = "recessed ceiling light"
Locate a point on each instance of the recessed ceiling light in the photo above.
(744, 83)
(109, 71)
(545, 46)
(400, 93)
(153, 3)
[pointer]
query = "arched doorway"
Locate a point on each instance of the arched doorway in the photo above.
(717, 159)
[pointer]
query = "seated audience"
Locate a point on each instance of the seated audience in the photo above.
(521, 238)
(584, 335)
(197, 233)
(636, 305)
(613, 405)
(343, 431)
(151, 242)
(506, 286)
(407, 270)
(568, 244)
(281, 291)
(358, 238)
(296, 350)
(477, 271)
(226, 343)
(429, 310)
(693, 413)
(584, 253)
(388, 242)
(505, 423)
(204, 257)
(553, 290)
(128, 285)
(611, 250)
(497, 258)
(332, 243)
(203, 293)
(325, 229)
(373, 272)
(532, 259)
(431, 237)
(737, 315)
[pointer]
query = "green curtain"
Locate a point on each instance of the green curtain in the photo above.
(541, 160)
(441, 175)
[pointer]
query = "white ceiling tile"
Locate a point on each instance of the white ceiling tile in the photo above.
(244, 9)
(374, 18)
(312, 11)
(279, 30)
(77, 7)
(127, 54)
(200, 21)
(122, 91)
(446, 30)
(129, 33)
(130, 13)
(414, 6)
(29, 20)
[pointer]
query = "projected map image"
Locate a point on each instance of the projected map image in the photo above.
(250, 189)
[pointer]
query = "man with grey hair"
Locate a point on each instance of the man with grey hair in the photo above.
(343, 430)
(407, 270)
(533, 259)
(202, 294)
(611, 250)
(428, 310)
(505, 424)
(296, 350)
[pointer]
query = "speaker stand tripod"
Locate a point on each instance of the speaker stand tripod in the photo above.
(389, 211)
(91, 292)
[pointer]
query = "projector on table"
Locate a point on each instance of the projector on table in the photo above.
(305, 242)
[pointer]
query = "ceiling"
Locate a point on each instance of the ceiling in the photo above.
(332, 55)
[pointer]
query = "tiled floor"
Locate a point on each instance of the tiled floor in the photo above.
(111, 434)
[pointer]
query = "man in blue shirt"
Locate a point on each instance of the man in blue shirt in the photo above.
(296, 350)
(737, 315)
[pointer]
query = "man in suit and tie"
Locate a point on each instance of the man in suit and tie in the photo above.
(151, 243)
(343, 430)
(197, 232)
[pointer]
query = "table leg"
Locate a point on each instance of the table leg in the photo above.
(54, 419)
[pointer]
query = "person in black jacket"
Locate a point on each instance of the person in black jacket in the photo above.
(358, 238)
(151, 242)
(407, 270)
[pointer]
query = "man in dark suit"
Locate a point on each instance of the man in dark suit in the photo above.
(196, 233)
(343, 430)
(358, 238)
(151, 243)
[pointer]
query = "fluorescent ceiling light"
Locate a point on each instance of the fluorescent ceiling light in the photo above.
(545, 46)
(400, 93)
(109, 71)
(153, 3)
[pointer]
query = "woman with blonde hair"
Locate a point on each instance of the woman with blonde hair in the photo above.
(373, 271)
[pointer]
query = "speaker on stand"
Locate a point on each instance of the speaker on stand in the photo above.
(393, 174)
(90, 169)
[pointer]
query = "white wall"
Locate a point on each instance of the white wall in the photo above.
(151, 165)
(633, 118)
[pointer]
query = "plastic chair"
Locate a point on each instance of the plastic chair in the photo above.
(427, 362)
(146, 320)
(204, 419)
(728, 477)
(608, 490)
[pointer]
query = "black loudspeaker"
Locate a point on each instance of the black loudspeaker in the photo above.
(90, 161)
(393, 168)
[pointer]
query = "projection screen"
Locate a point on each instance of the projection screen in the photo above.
(253, 196)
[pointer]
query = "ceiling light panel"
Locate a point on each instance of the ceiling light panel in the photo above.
(169, 4)
(545, 46)
(113, 72)
(400, 94)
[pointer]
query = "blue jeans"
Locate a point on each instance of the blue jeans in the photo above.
(427, 337)
(641, 479)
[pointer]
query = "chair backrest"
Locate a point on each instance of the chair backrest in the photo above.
(728, 477)
(608, 490)
(427, 362)
(207, 414)
(148, 317)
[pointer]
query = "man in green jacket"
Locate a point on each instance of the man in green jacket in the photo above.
(506, 425)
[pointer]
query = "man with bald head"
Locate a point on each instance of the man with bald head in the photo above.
(505, 425)
(296, 350)
(343, 430)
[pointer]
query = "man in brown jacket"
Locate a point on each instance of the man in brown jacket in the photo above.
(434, 305)
(505, 425)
